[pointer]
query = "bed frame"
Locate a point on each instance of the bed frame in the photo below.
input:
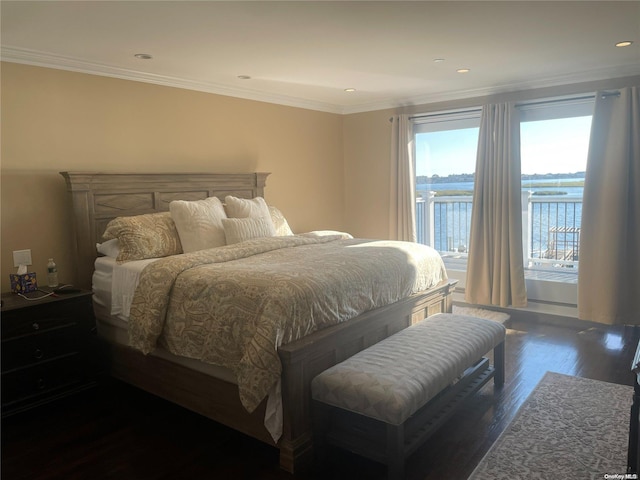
(99, 197)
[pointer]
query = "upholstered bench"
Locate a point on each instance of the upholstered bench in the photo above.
(385, 401)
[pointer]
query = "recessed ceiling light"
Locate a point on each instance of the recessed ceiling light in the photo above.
(143, 56)
(438, 60)
(463, 70)
(244, 77)
(624, 43)
(349, 89)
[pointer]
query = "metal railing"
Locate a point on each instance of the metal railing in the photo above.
(550, 225)
(444, 222)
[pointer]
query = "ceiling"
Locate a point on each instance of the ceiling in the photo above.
(306, 53)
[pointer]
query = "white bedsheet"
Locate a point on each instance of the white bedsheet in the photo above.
(101, 282)
(114, 284)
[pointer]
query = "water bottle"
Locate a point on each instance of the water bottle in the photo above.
(52, 273)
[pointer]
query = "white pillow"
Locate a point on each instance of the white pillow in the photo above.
(279, 222)
(247, 207)
(240, 229)
(199, 223)
(110, 248)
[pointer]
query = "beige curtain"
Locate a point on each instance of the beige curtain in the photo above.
(495, 271)
(609, 269)
(403, 181)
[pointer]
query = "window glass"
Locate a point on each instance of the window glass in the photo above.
(445, 153)
(554, 162)
(554, 143)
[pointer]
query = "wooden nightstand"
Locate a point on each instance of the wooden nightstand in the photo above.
(48, 348)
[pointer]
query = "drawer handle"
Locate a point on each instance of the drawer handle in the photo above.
(40, 383)
(36, 326)
(38, 353)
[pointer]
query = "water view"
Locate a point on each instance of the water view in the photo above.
(565, 184)
(553, 214)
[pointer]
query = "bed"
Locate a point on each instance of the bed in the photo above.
(98, 198)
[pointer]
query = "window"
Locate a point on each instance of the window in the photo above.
(554, 142)
(445, 153)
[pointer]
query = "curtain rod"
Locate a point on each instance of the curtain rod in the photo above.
(592, 96)
(445, 114)
(605, 94)
(479, 108)
(557, 100)
(610, 94)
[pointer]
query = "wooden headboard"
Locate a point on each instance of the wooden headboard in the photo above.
(97, 198)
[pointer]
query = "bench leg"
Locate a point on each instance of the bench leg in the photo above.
(395, 452)
(498, 364)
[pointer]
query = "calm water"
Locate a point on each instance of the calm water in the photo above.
(452, 221)
(526, 185)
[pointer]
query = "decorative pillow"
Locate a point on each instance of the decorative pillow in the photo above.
(238, 230)
(279, 222)
(247, 207)
(110, 248)
(151, 235)
(199, 223)
(324, 233)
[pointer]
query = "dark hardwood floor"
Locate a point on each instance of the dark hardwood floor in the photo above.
(118, 432)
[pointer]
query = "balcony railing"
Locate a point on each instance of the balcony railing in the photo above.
(550, 225)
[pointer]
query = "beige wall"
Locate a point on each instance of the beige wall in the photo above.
(367, 147)
(54, 120)
(327, 171)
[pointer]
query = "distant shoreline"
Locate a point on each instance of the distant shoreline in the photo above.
(461, 189)
(470, 177)
(577, 183)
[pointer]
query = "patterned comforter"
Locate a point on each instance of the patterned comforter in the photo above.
(234, 306)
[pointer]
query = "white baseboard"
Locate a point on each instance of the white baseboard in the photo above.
(564, 315)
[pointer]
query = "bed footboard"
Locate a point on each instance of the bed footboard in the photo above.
(304, 359)
(301, 362)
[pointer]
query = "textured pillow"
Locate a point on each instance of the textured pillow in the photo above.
(151, 235)
(240, 229)
(199, 223)
(279, 222)
(247, 207)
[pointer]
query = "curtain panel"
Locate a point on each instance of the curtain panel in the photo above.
(495, 271)
(403, 181)
(609, 268)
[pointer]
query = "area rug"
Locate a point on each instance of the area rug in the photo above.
(569, 427)
(482, 313)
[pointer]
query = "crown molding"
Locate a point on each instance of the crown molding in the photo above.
(59, 62)
(48, 60)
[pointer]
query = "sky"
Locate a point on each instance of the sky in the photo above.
(548, 146)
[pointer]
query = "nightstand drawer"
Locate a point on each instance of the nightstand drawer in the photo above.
(44, 317)
(41, 379)
(48, 348)
(41, 347)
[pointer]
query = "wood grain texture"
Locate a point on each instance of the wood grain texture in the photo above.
(97, 198)
(121, 432)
